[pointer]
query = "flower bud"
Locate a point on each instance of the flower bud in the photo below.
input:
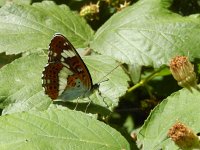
(183, 71)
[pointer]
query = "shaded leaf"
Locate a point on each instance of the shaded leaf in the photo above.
(5, 59)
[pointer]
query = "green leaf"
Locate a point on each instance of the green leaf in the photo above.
(103, 68)
(182, 106)
(58, 129)
(134, 72)
(31, 27)
(22, 89)
(148, 34)
(3, 2)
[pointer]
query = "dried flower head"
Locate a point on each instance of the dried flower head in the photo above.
(122, 6)
(183, 137)
(118, 4)
(90, 12)
(183, 71)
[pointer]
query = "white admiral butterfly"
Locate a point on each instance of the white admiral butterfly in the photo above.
(66, 76)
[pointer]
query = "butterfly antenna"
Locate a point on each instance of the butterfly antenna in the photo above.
(101, 80)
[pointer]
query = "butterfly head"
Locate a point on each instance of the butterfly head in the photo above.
(96, 86)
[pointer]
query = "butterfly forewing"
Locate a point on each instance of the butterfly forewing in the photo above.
(65, 72)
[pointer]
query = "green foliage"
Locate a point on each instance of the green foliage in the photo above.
(23, 89)
(100, 67)
(57, 129)
(144, 36)
(32, 27)
(148, 34)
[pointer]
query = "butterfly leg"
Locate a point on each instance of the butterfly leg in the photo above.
(99, 92)
(76, 104)
(105, 102)
(88, 104)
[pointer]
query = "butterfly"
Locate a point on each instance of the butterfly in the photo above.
(66, 76)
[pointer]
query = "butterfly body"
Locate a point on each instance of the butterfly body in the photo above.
(66, 76)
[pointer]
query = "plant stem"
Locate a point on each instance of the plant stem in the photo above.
(144, 81)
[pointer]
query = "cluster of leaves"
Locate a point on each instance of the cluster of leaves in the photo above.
(143, 36)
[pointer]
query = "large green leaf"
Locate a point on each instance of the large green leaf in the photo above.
(182, 106)
(57, 129)
(31, 27)
(147, 33)
(22, 85)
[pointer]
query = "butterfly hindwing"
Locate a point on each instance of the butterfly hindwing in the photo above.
(51, 79)
(65, 75)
